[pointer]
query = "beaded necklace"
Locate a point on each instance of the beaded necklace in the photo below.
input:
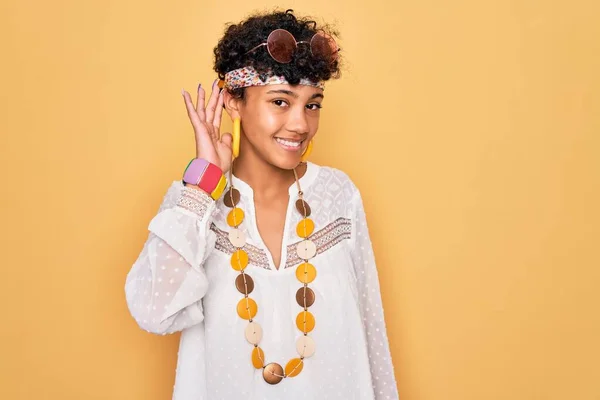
(247, 308)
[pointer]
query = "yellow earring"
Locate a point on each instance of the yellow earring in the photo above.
(307, 151)
(235, 144)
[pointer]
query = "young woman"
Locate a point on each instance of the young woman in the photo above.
(264, 263)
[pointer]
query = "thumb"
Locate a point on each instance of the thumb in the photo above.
(227, 139)
(224, 150)
(224, 147)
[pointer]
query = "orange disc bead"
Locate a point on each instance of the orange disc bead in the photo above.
(247, 308)
(305, 321)
(305, 227)
(306, 272)
(239, 260)
(294, 367)
(235, 217)
(258, 358)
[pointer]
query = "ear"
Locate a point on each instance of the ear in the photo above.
(231, 104)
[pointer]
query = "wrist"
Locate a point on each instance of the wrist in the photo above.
(206, 176)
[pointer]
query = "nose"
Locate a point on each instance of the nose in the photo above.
(298, 122)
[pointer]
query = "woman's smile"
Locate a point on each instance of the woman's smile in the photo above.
(289, 145)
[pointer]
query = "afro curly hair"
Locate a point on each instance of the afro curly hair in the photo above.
(231, 50)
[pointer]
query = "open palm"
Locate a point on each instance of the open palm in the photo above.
(206, 121)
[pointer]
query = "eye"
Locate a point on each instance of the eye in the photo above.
(279, 102)
(316, 106)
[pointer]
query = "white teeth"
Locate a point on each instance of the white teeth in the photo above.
(288, 143)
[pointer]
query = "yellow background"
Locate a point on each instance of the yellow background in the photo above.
(471, 127)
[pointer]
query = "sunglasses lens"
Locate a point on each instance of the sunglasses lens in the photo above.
(281, 45)
(324, 46)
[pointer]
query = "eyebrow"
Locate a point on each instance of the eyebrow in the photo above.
(293, 94)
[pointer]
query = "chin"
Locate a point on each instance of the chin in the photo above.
(287, 163)
(286, 158)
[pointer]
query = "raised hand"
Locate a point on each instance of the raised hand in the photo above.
(206, 121)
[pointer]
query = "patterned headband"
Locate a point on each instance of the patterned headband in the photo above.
(247, 76)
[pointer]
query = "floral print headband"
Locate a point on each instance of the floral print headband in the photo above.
(248, 76)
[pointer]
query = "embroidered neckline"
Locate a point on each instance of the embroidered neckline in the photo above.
(325, 239)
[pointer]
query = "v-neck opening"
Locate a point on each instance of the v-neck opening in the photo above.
(246, 190)
(283, 245)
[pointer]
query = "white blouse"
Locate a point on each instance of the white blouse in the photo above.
(183, 281)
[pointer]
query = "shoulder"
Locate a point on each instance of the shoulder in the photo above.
(331, 179)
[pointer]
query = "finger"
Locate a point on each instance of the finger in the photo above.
(201, 137)
(219, 112)
(191, 111)
(212, 102)
(200, 104)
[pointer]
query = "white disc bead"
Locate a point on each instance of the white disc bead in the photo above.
(237, 237)
(253, 333)
(306, 249)
(305, 345)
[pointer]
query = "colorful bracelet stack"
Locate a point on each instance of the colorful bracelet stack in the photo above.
(206, 175)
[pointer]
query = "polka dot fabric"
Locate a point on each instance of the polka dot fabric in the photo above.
(371, 308)
(180, 282)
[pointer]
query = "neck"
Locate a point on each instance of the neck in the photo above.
(266, 180)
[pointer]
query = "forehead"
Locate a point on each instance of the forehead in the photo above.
(298, 91)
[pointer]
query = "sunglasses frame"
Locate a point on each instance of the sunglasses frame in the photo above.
(334, 53)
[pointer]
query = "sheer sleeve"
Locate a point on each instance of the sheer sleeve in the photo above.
(166, 283)
(382, 369)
